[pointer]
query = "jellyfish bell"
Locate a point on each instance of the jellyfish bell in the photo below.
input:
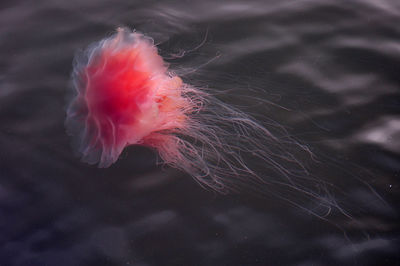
(123, 94)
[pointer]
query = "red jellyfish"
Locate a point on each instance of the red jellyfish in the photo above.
(126, 95)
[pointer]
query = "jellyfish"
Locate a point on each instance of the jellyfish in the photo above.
(125, 94)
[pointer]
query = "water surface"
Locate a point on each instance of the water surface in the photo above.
(331, 72)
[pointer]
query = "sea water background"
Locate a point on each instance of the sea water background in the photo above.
(335, 66)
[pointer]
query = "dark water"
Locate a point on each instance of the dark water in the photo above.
(333, 65)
